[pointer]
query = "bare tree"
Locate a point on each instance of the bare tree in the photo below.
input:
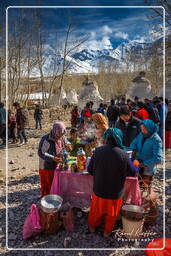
(39, 42)
(158, 12)
(71, 44)
(17, 42)
(31, 62)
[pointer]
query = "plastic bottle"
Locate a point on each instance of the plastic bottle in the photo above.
(65, 155)
(81, 160)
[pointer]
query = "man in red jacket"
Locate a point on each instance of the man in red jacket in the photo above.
(142, 112)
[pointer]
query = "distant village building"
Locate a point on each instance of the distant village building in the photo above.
(141, 87)
(89, 92)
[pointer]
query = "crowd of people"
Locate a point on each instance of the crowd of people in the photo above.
(127, 115)
(106, 134)
(18, 121)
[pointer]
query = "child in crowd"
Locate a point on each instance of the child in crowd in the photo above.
(86, 126)
(90, 146)
(75, 142)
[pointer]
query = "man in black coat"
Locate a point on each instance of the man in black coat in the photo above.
(112, 113)
(129, 125)
(22, 122)
(38, 113)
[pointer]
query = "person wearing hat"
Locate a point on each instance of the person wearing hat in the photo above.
(109, 166)
(87, 123)
(50, 148)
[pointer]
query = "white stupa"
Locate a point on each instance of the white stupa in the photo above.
(89, 92)
(72, 97)
(58, 98)
(141, 87)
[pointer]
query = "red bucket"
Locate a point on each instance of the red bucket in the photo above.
(159, 243)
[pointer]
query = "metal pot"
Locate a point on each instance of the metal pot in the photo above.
(51, 203)
(133, 212)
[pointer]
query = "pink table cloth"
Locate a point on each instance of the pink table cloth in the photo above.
(132, 192)
(77, 188)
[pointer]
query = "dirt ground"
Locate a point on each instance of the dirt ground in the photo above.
(23, 161)
(24, 189)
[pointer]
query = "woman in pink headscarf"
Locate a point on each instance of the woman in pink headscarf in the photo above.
(50, 147)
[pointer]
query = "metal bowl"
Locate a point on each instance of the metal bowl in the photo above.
(133, 212)
(51, 203)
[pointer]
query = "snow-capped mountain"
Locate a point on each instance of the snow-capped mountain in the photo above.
(88, 60)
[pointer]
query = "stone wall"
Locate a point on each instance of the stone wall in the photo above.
(51, 115)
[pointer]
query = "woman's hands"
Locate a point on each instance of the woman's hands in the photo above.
(142, 166)
(138, 164)
(57, 159)
(68, 147)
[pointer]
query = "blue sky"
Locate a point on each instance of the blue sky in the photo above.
(104, 27)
